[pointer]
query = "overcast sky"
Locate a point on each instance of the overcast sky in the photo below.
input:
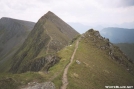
(77, 11)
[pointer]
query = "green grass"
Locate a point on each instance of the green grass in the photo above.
(2, 31)
(14, 81)
(55, 73)
(35, 45)
(97, 69)
(65, 55)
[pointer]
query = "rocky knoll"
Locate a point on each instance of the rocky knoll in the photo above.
(113, 51)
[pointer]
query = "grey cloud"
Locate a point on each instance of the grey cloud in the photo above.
(126, 3)
(116, 3)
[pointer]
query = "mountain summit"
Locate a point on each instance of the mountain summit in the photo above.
(49, 35)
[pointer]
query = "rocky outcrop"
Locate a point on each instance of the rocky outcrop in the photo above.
(45, 85)
(42, 63)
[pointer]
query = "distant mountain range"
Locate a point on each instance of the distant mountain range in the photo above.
(118, 35)
(81, 28)
(97, 26)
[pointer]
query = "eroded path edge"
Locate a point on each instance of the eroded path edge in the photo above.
(64, 77)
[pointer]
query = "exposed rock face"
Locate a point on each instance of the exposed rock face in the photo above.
(12, 35)
(49, 35)
(42, 63)
(45, 85)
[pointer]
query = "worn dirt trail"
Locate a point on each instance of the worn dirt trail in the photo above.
(48, 42)
(64, 77)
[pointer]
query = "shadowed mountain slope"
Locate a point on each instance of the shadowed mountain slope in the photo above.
(13, 33)
(50, 34)
(127, 48)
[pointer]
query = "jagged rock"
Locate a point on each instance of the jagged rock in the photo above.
(43, 63)
(94, 40)
(90, 30)
(97, 33)
(78, 62)
(100, 37)
(106, 39)
(103, 47)
(45, 85)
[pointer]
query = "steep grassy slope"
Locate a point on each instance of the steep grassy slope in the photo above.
(97, 63)
(98, 67)
(49, 35)
(16, 81)
(12, 35)
(127, 48)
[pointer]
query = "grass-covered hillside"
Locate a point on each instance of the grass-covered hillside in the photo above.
(17, 81)
(55, 56)
(127, 48)
(49, 35)
(54, 74)
(99, 63)
(13, 33)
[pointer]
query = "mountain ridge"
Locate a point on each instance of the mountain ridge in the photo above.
(35, 48)
(13, 33)
(54, 51)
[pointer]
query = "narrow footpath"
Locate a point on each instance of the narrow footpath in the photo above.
(64, 77)
(48, 42)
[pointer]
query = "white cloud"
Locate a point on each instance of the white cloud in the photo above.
(80, 11)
